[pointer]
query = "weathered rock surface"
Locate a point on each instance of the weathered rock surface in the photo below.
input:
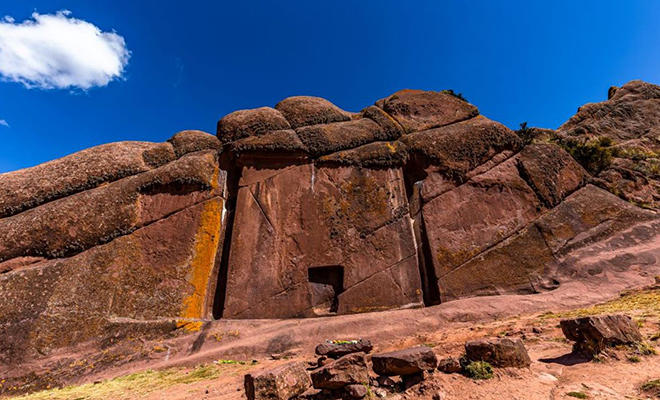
(336, 350)
(631, 119)
(308, 110)
(502, 352)
(405, 362)
(275, 144)
(418, 110)
(347, 370)
(161, 272)
(81, 221)
(256, 122)
(281, 383)
(307, 210)
(357, 391)
(458, 148)
(330, 138)
(31, 187)
(450, 365)
(323, 241)
(185, 142)
(372, 155)
(551, 172)
(595, 333)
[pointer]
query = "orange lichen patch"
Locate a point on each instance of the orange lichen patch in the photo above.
(232, 334)
(206, 245)
(189, 326)
(392, 146)
(214, 179)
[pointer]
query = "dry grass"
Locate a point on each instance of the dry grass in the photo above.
(139, 384)
(641, 304)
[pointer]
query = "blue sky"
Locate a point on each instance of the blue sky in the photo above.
(193, 62)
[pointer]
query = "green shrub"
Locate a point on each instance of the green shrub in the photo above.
(645, 348)
(479, 370)
(525, 133)
(651, 387)
(457, 95)
(594, 155)
(577, 395)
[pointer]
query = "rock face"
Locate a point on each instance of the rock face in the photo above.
(599, 332)
(498, 352)
(306, 210)
(112, 256)
(281, 383)
(405, 362)
(630, 119)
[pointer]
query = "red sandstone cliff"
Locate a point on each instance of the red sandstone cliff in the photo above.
(306, 210)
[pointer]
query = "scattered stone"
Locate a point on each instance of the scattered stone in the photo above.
(357, 391)
(380, 393)
(349, 369)
(336, 349)
(498, 352)
(281, 383)
(593, 334)
(405, 362)
(450, 365)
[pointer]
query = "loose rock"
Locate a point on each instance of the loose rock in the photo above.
(450, 365)
(349, 369)
(405, 362)
(498, 352)
(281, 383)
(357, 391)
(340, 349)
(594, 333)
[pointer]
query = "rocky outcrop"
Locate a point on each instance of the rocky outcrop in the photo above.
(630, 158)
(108, 260)
(306, 210)
(595, 333)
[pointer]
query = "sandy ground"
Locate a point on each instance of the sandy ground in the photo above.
(554, 372)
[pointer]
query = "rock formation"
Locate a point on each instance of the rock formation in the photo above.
(307, 210)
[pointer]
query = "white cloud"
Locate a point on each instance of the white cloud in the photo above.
(4, 123)
(59, 51)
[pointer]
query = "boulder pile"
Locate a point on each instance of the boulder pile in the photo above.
(353, 374)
